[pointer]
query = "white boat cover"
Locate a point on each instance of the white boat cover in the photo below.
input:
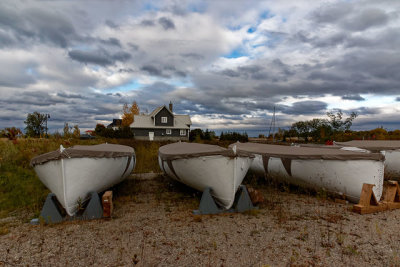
(92, 151)
(289, 153)
(183, 150)
(373, 145)
(298, 152)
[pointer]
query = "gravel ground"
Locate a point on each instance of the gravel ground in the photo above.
(153, 224)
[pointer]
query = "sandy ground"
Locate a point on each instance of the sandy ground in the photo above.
(153, 225)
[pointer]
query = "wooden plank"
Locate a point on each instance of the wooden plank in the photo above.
(392, 195)
(365, 197)
(368, 202)
(107, 204)
(369, 209)
(340, 201)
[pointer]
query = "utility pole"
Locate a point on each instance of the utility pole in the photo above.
(272, 126)
(47, 116)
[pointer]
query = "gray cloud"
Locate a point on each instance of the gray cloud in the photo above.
(166, 71)
(35, 98)
(112, 41)
(388, 121)
(332, 13)
(111, 24)
(367, 18)
(152, 70)
(69, 95)
(351, 18)
(353, 97)
(230, 73)
(148, 23)
(166, 23)
(37, 24)
(194, 56)
(6, 39)
(93, 57)
(98, 57)
(306, 107)
(314, 52)
(366, 111)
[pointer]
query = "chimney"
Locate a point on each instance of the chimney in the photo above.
(170, 107)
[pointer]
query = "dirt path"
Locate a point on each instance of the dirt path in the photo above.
(153, 225)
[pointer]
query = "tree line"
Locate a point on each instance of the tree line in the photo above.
(321, 130)
(197, 135)
(336, 127)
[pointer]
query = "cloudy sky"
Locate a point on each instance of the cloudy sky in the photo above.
(226, 63)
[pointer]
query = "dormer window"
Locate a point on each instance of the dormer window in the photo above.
(164, 119)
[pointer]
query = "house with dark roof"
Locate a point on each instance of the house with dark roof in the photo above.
(117, 123)
(161, 124)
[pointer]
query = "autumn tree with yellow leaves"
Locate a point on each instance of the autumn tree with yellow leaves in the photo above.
(129, 112)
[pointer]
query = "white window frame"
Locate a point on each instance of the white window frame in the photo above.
(182, 132)
(168, 131)
(164, 119)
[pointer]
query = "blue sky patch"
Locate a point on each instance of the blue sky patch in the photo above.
(133, 85)
(238, 52)
(251, 29)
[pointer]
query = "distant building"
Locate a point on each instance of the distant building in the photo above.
(117, 123)
(90, 132)
(161, 124)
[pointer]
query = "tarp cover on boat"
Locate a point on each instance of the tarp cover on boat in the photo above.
(373, 145)
(95, 151)
(182, 150)
(296, 152)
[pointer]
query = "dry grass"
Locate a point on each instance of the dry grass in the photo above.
(155, 227)
(20, 188)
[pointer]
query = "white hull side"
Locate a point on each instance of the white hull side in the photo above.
(336, 176)
(222, 174)
(73, 179)
(392, 164)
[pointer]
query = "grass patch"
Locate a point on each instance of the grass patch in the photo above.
(21, 189)
(4, 230)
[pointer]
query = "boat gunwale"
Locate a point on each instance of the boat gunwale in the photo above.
(213, 150)
(343, 155)
(84, 152)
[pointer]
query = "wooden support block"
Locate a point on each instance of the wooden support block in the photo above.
(340, 201)
(107, 204)
(369, 209)
(368, 202)
(255, 195)
(392, 195)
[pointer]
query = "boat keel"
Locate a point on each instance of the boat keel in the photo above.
(53, 213)
(369, 204)
(242, 203)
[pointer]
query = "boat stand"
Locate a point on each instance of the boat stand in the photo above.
(52, 212)
(208, 206)
(369, 204)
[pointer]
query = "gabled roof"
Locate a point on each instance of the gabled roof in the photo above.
(158, 109)
(185, 119)
(145, 121)
(115, 123)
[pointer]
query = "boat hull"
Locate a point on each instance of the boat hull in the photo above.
(390, 148)
(72, 179)
(220, 173)
(343, 177)
(392, 164)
